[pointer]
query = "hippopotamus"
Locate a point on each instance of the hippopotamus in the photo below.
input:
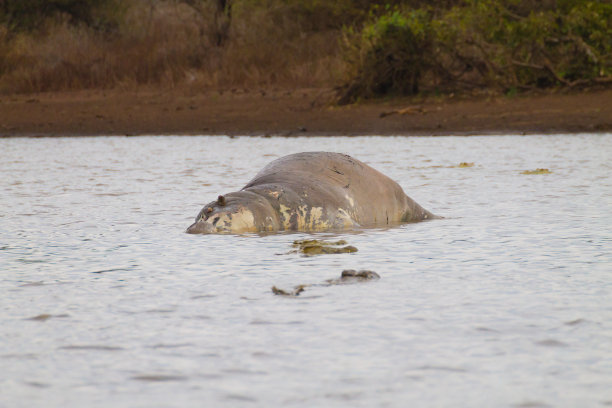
(311, 191)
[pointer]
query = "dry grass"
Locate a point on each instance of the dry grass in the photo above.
(169, 45)
(267, 47)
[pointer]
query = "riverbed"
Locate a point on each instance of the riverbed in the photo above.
(505, 302)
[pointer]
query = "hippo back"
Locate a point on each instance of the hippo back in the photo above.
(334, 182)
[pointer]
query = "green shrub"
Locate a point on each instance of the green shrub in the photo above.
(498, 44)
(388, 55)
(545, 47)
(374, 47)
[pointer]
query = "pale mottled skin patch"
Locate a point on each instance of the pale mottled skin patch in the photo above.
(350, 200)
(232, 222)
(304, 218)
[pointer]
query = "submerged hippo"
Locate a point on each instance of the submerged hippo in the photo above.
(313, 191)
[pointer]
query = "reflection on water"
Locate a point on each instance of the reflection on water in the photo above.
(105, 301)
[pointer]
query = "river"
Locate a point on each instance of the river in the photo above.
(105, 301)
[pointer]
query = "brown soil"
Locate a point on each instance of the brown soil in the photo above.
(294, 113)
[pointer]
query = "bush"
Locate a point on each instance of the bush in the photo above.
(498, 44)
(487, 44)
(388, 55)
(374, 47)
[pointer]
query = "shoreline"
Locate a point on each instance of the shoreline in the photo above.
(302, 112)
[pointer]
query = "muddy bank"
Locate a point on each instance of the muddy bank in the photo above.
(295, 113)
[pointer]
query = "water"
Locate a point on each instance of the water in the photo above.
(506, 302)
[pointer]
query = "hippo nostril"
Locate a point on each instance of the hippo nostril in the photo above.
(192, 228)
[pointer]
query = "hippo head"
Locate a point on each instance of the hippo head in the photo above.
(236, 213)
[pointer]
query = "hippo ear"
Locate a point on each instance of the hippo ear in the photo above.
(221, 201)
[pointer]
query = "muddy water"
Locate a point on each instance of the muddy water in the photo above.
(506, 302)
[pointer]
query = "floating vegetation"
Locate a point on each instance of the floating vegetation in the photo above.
(311, 247)
(45, 316)
(465, 164)
(537, 171)
(348, 276)
(322, 249)
(158, 377)
(295, 292)
(353, 276)
(40, 317)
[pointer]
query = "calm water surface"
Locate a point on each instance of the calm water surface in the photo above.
(105, 301)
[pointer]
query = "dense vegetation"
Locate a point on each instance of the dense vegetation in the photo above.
(367, 48)
(508, 45)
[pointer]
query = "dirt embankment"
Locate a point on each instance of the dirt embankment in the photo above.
(295, 113)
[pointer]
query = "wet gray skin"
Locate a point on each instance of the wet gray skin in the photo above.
(312, 191)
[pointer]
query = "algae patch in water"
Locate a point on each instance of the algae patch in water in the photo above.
(321, 249)
(295, 292)
(536, 171)
(311, 247)
(348, 276)
(353, 276)
(315, 242)
(45, 316)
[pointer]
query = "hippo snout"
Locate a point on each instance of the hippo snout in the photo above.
(200, 227)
